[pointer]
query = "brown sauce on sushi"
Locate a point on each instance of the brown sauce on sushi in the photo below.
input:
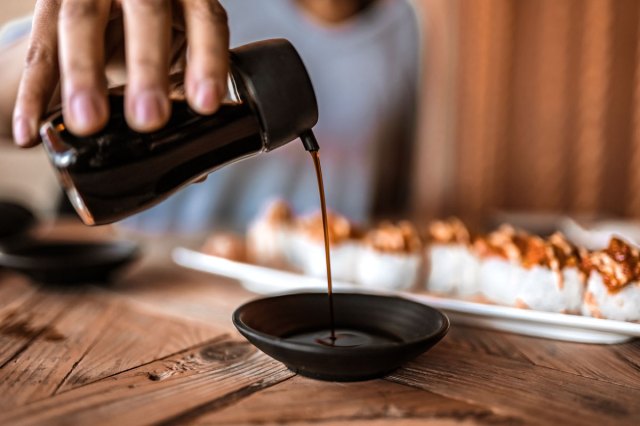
(449, 231)
(394, 238)
(618, 264)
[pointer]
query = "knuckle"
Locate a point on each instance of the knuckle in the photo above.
(48, 6)
(38, 54)
(29, 96)
(146, 66)
(76, 10)
(149, 6)
(78, 66)
(211, 10)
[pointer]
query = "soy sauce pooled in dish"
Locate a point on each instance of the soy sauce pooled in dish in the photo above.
(342, 338)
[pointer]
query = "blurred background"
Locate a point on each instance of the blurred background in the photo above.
(524, 105)
(529, 105)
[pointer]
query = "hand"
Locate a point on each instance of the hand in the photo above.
(77, 41)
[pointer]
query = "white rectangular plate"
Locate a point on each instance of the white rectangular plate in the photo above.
(575, 328)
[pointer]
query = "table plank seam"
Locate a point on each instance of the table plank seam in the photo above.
(560, 372)
(75, 364)
(627, 361)
(596, 379)
(148, 307)
(32, 339)
(206, 342)
(489, 351)
(96, 399)
(492, 417)
(222, 402)
(480, 416)
(20, 301)
(593, 404)
(572, 373)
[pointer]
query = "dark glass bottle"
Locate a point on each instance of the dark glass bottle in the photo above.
(117, 172)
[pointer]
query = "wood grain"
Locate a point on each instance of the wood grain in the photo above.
(167, 390)
(634, 187)
(431, 195)
(28, 322)
(60, 339)
(134, 337)
(39, 370)
(332, 403)
(584, 360)
(158, 347)
(14, 291)
(184, 293)
(528, 105)
(483, 76)
(515, 388)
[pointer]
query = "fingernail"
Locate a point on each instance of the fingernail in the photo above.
(150, 109)
(22, 133)
(207, 97)
(85, 111)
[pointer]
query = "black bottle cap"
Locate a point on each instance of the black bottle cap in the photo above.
(309, 141)
(279, 86)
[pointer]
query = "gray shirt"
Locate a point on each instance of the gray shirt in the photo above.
(364, 72)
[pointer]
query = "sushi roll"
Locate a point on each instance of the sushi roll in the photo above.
(268, 236)
(226, 245)
(345, 241)
(551, 274)
(391, 258)
(613, 286)
(452, 265)
(499, 273)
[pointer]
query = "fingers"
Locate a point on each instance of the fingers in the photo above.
(148, 44)
(72, 32)
(40, 74)
(81, 28)
(208, 49)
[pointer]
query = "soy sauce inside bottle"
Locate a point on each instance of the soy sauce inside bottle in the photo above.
(118, 172)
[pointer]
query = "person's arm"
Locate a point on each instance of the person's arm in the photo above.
(67, 44)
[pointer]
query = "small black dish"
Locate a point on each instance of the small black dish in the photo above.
(15, 220)
(267, 323)
(66, 262)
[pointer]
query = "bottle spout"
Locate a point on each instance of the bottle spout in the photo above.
(309, 141)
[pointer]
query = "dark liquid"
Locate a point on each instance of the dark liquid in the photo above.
(344, 338)
(327, 252)
(117, 172)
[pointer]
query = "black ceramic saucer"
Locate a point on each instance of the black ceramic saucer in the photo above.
(15, 220)
(65, 262)
(268, 322)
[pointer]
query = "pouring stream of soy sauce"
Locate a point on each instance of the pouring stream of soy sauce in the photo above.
(309, 141)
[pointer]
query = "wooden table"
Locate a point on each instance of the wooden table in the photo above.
(158, 347)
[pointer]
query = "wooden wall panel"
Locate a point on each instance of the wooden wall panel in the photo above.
(537, 145)
(633, 207)
(624, 36)
(541, 108)
(484, 43)
(434, 163)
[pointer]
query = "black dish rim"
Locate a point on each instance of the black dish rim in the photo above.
(245, 329)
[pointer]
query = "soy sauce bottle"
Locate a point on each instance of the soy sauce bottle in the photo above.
(118, 172)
